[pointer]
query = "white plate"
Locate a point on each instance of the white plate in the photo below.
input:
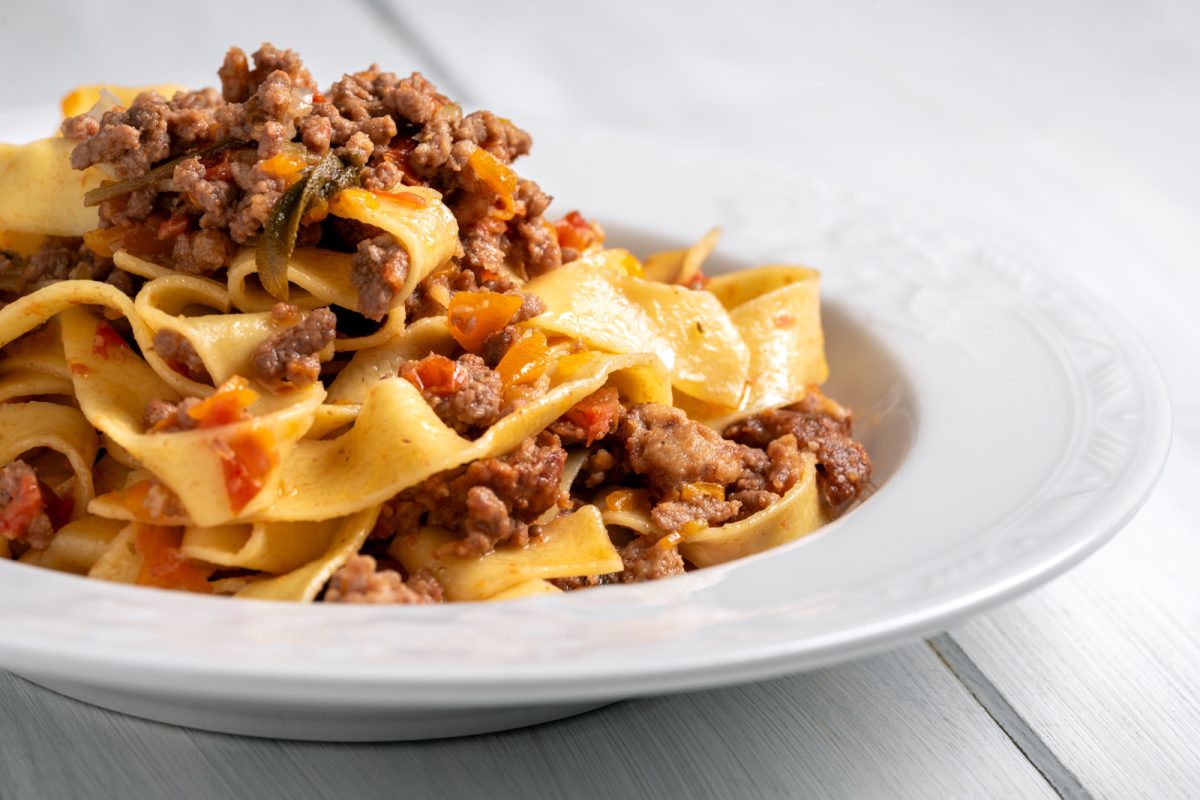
(1014, 430)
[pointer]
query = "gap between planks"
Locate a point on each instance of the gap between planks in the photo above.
(1064, 782)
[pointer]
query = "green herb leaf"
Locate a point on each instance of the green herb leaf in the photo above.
(163, 171)
(278, 238)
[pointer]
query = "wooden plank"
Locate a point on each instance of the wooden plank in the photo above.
(896, 725)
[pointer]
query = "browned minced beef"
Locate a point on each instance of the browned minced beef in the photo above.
(64, 258)
(489, 501)
(23, 516)
(670, 449)
(471, 402)
(691, 471)
(162, 416)
(378, 270)
(175, 349)
(360, 581)
(289, 357)
(645, 559)
(402, 131)
(822, 428)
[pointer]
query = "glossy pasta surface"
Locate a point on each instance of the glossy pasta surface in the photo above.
(281, 343)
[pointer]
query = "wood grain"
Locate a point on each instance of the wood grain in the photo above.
(895, 726)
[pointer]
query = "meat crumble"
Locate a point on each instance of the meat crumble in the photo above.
(361, 581)
(487, 502)
(395, 130)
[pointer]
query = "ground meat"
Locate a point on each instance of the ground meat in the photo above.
(63, 258)
(661, 443)
(489, 501)
(23, 516)
(378, 270)
(202, 252)
(162, 416)
(123, 281)
(584, 581)
(214, 197)
(359, 581)
(79, 128)
(469, 401)
(175, 349)
(844, 469)
(672, 515)
(646, 560)
(602, 466)
(401, 131)
(288, 359)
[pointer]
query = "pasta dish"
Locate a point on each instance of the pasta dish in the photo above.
(282, 342)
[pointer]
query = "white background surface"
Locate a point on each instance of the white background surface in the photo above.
(1064, 135)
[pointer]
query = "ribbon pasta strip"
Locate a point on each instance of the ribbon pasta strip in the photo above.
(460, 400)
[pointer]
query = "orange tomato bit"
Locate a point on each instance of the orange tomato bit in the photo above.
(525, 360)
(596, 413)
(575, 232)
(474, 316)
(246, 460)
(163, 565)
(497, 176)
(106, 338)
(434, 373)
(226, 405)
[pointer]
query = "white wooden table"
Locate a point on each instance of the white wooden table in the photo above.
(1065, 135)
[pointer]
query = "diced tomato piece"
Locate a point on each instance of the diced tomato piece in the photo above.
(26, 504)
(575, 232)
(226, 405)
(247, 459)
(107, 337)
(597, 413)
(474, 316)
(435, 374)
(163, 565)
(525, 360)
(497, 176)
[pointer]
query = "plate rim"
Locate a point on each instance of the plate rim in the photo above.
(271, 682)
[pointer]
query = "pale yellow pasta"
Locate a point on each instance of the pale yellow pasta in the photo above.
(30, 425)
(40, 193)
(77, 546)
(338, 476)
(573, 545)
(796, 514)
(602, 305)
(274, 547)
(302, 585)
(113, 392)
(192, 465)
